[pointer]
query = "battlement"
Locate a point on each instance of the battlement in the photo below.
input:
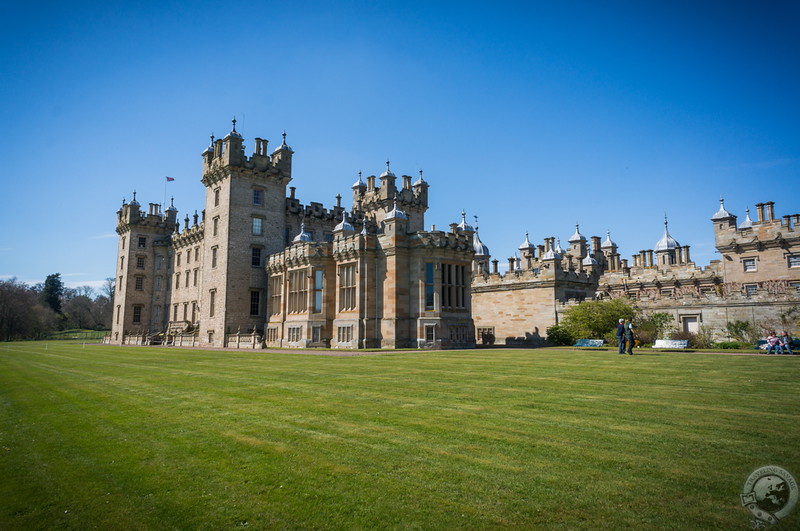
(297, 254)
(131, 214)
(227, 153)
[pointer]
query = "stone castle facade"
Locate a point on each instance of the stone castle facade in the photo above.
(257, 268)
(756, 280)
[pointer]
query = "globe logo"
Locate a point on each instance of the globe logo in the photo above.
(770, 493)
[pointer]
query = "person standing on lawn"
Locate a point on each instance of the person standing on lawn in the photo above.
(629, 336)
(621, 336)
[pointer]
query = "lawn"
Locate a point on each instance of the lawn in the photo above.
(154, 438)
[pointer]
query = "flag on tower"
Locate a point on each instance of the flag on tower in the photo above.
(170, 179)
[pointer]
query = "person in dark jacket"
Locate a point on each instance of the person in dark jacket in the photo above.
(629, 336)
(621, 336)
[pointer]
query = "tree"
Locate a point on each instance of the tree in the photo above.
(596, 319)
(53, 291)
(21, 315)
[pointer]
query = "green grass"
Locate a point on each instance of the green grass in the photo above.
(151, 438)
(79, 333)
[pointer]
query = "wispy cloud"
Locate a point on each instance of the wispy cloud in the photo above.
(104, 236)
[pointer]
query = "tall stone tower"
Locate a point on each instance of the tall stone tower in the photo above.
(142, 270)
(245, 222)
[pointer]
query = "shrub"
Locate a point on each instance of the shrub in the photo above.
(595, 319)
(558, 335)
(732, 345)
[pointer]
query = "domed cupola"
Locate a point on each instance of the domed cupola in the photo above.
(721, 213)
(359, 183)
(577, 237)
(420, 181)
(747, 223)
(284, 146)
(210, 149)
(303, 236)
(589, 261)
(464, 226)
(527, 245)
(344, 225)
(387, 172)
(608, 244)
(233, 133)
(480, 248)
(395, 213)
(667, 242)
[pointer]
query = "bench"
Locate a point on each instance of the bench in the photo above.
(589, 343)
(671, 343)
(761, 344)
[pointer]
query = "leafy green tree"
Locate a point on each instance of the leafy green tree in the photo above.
(596, 319)
(52, 292)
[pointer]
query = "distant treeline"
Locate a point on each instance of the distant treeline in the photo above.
(38, 311)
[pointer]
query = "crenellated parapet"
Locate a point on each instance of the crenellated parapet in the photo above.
(298, 255)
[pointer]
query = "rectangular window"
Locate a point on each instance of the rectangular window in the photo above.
(174, 312)
(213, 257)
(794, 260)
(749, 264)
(178, 259)
(216, 197)
(794, 286)
(258, 197)
(316, 334)
(347, 287)
(453, 286)
(318, 291)
(272, 334)
(212, 298)
(157, 286)
(139, 283)
(194, 311)
(197, 254)
(119, 310)
(275, 290)
(142, 243)
(255, 257)
(344, 334)
(121, 263)
(177, 280)
(298, 291)
(255, 302)
(215, 226)
(750, 289)
(137, 314)
(295, 334)
(188, 256)
(194, 277)
(258, 227)
(430, 333)
(185, 311)
(429, 291)
(140, 262)
(187, 279)
(123, 242)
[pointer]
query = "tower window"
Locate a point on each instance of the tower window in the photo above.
(216, 197)
(255, 302)
(139, 285)
(347, 287)
(258, 226)
(255, 258)
(429, 291)
(212, 299)
(140, 262)
(750, 289)
(215, 227)
(318, 290)
(142, 243)
(793, 260)
(137, 314)
(214, 257)
(258, 197)
(749, 264)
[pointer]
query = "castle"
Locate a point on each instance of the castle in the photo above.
(258, 268)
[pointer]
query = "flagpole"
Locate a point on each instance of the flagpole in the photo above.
(164, 201)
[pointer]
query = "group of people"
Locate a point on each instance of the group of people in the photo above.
(625, 337)
(779, 343)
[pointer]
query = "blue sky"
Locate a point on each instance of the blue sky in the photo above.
(533, 115)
